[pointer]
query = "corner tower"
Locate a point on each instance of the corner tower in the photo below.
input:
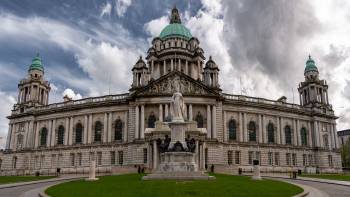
(34, 89)
(313, 91)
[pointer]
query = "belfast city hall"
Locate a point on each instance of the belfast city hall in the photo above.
(126, 131)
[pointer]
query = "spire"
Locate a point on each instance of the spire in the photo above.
(175, 16)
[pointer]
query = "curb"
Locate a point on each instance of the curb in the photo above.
(312, 180)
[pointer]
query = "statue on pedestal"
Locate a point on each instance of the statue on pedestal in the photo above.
(177, 105)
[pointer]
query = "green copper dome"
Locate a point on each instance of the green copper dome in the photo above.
(36, 64)
(175, 30)
(310, 65)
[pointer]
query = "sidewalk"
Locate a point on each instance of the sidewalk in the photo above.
(61, 178)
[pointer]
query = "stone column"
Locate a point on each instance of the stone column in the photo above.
(225, 127)
(125, 136)
(90, 129)
(190, 113)
(278, 133)
(331, 145)
(137, 126)
(25, 136)
(66, 132)
(105, 127)
(198, 69)
(245, 129)
(152, 68)
(260, 133)
(203, 155)
(171, 65)
(155, 155)
(295, 133)
(164, 68)
(208, 122)
(186, 67)
(240, 120)
(85, 130)
(30, 142)
(109, 132)
(166, 111)
(309, 135)
(214, 134)
(48, 137)
(298, 133)
(316, 134)
(264, 129)
(37, 130)
(71, 123)
(161, 112)
(179, 66)
(283, 137)
(142, 132)
(8, 139)
(197, 154)
(53, 132)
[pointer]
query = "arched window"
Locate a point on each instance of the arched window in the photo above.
(118, 130)
(151, 120)
(199, 119)
(60, 135)
(78, 133)
(232, 130)
(270, 133)
(303, 135)
(98, 131)
(252, 131)
(288, 134)
(43, 136)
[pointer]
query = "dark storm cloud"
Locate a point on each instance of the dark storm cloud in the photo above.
(269, 34)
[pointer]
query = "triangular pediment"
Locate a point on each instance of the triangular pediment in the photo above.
(165, 86)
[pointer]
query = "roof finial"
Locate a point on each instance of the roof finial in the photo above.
(309, 57)
(175, 16)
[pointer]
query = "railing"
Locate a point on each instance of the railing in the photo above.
(89, 100)
(259, 100)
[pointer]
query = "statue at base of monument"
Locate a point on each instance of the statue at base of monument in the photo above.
(177, 105)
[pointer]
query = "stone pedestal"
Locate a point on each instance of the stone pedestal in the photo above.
(92, 172)
(256, 175)
(178, 162)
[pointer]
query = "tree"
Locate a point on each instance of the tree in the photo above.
(345, 153)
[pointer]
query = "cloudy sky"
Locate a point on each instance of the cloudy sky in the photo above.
(88, 47)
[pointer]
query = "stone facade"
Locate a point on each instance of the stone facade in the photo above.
(111, 129)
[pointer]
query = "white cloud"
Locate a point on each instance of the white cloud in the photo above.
(154, 27)
(121, 6)
(6, 102)
(71, 94)
(106, 9)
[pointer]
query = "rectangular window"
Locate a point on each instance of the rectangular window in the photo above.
(79, 157)
(288, 159)
(294, 159)
(270, 158)
(330, 160)
(250, 157)
(145, 155)
(257, 157)
(112, 157)
(120, 157)
(99, 158)
(311, 160)
(72, 159)
(304, 160)
(229, 157)
(237, 157)
(277, 159)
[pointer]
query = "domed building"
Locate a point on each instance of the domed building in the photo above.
(118, 130)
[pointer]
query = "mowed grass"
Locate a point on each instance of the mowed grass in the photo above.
(339, 177)
(132, 185)
(15, 179)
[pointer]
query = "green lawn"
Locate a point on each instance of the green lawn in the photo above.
(340, 177)
(15, 179)
(132, 185)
